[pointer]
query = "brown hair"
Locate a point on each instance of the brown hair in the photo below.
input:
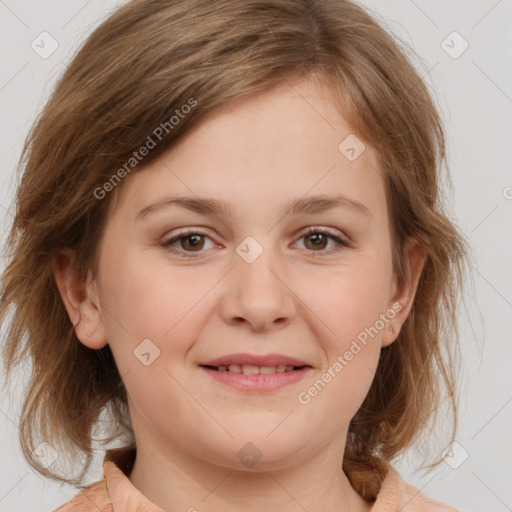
(132, 74)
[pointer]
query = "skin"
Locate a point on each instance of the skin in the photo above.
(298, 299)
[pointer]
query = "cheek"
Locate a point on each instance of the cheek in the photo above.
(346, 301)
(338, 393)
(349, 306)
(141, 302)
(155, 316)
(148, 299)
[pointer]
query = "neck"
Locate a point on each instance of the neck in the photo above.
(173, 480)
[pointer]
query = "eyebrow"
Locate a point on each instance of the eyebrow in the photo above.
(210, 206)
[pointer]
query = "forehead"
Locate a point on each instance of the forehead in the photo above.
(265, 150)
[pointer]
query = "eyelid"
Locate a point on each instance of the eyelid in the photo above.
(182, 233)
(342, 240)
(335, 233)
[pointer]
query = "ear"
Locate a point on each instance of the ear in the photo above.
(403, 291)
(80, 300)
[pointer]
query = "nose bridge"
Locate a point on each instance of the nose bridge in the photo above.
(255, 269)
(257, 292)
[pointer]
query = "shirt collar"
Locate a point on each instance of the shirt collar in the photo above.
(117, 466)
(393, 495)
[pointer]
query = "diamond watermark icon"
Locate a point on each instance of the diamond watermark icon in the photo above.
(249, 455)
(351, 147)
(454, 45)
(45, 454)
(44, 45)
(146, 352)
(249, 249)
(455, 455)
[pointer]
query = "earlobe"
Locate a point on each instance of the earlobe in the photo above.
(392, 331)
(405, 289)
(82, 307)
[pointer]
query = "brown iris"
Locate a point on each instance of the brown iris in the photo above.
(319, 240)
(194, 242)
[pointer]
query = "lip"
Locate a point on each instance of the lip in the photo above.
(258, 383)
(255, 360)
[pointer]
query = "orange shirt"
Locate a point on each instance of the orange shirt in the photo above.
(115, 493)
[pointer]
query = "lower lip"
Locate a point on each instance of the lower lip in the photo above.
(259, 382)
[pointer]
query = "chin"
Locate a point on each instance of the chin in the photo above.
(256, 454)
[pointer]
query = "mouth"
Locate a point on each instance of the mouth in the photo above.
(248, 369)
(250, 364)
(254, 373)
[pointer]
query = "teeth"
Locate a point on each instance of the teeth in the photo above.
(267, 369)
(249, 369)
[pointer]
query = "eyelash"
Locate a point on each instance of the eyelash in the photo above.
(343, 244)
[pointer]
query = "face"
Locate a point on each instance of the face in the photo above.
(182, 284)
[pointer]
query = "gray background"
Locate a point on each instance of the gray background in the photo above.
(474, 92)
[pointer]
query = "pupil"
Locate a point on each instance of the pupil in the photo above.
(196, 241)
(316, 238)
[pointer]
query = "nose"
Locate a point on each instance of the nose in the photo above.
(258, 295)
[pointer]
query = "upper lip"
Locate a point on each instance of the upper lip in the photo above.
(255, 360)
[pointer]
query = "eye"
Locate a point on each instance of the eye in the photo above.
(317, 239)
(187, 241)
